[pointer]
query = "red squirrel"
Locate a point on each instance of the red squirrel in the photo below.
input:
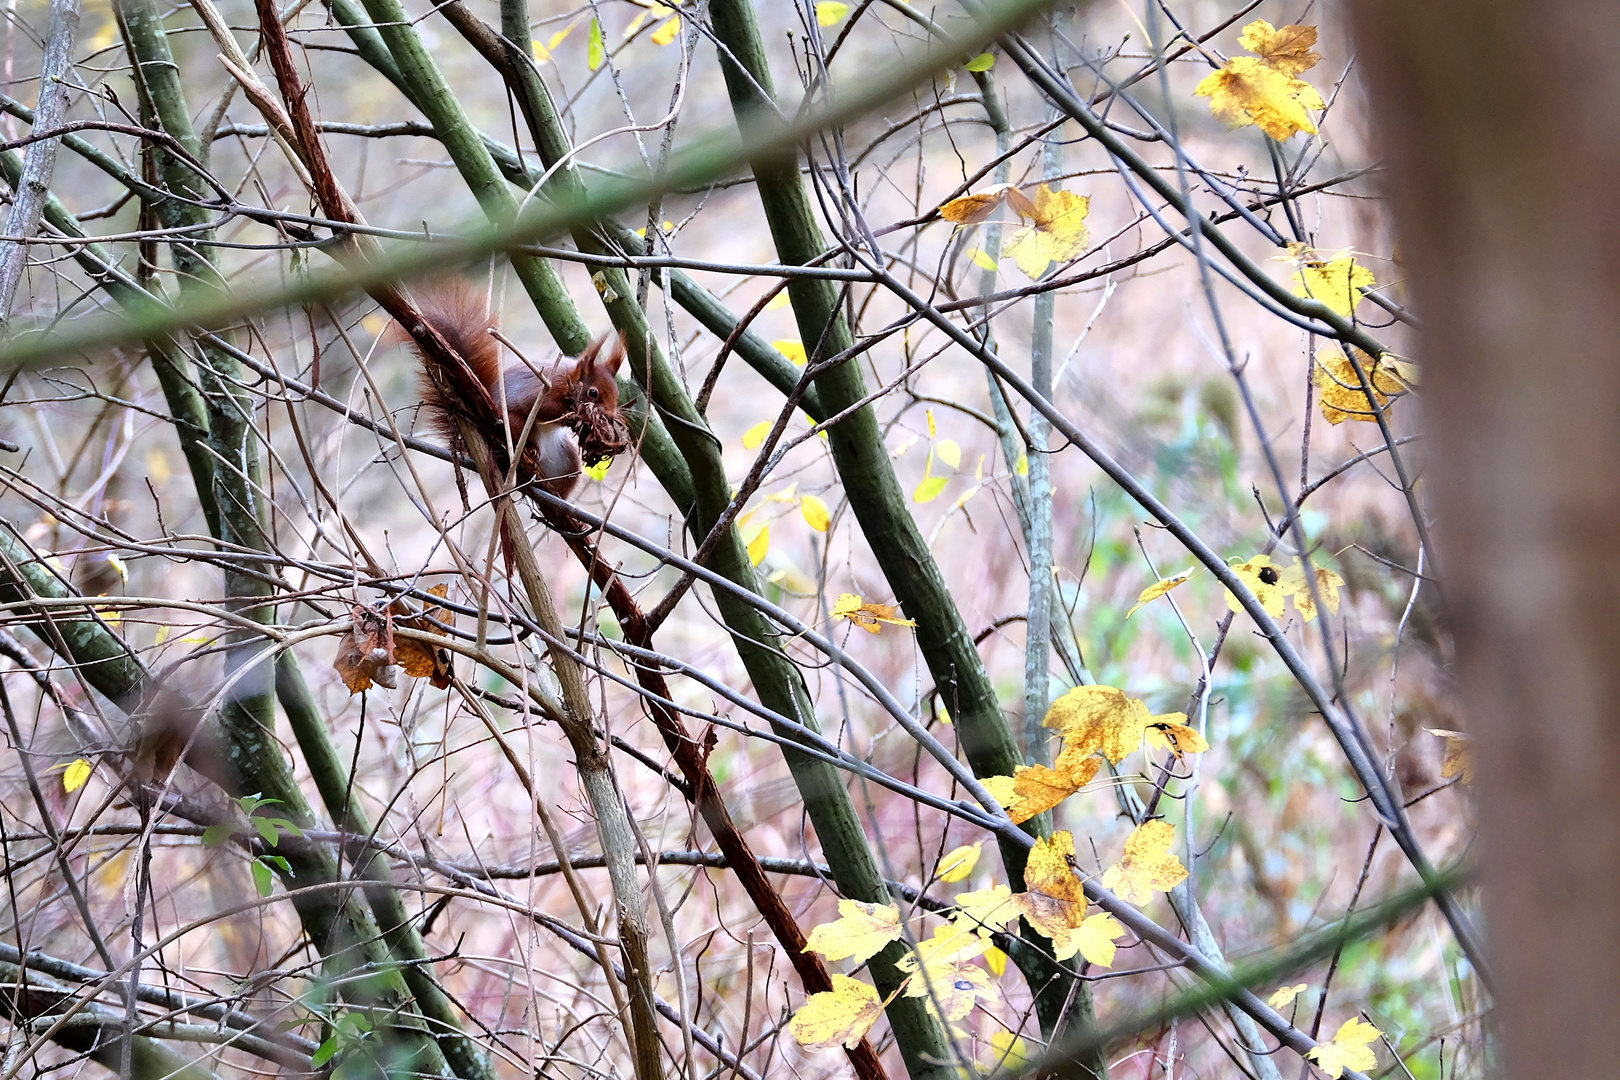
(560, 397)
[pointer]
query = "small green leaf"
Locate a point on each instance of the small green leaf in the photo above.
(983, 62)
(216, 835)
(278, 863)
(324, 1053)
(261, 877)
(266, 830)
(595, 52)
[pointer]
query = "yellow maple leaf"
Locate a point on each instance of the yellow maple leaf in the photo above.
(1337, 283)
(1459, 762)
(1156, 590)
(1054, 903)
(1347, 1049)
(1011, 1052)
(942, 970)
(1175, 736)
(997, 961)
(975, 206)
(1247, 90)
(1285, 48)
(1057, 232)
(1100, 720)
(1094, 939)
(867, 616)
(990, 909)
(859, 933)
(838, 1017)
(1037, 788)
(1327, 587)
(1265, 579)
(955, 865)
(1148, 866)
(75, 775)
(1285, 996)
(1339, 387)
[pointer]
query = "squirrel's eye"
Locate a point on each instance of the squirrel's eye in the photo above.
(593, 393)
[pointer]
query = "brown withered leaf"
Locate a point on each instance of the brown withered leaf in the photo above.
(418, 658)
(366, 651)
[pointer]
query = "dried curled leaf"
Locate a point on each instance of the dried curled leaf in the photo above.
(867, 616)
(1148, 866)
(418, 658)
(365, 653)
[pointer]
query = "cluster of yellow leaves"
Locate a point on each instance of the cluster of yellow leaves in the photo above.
(1057, 223)
(1272, 584)
(1092, 720)
(865, 615)
(1265, 89)
(1348, 1049)
(1340, 390)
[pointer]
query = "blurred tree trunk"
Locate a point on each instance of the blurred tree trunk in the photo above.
(1500, 124)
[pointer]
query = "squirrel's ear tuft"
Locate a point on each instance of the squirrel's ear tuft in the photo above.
(610, 352)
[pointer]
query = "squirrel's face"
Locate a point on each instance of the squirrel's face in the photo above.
(592, 381)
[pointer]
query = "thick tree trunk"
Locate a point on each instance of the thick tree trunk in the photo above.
(1501, 127)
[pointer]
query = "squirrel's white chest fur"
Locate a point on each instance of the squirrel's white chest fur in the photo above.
(559, 455)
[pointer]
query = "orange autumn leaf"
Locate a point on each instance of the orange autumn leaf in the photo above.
(865, 615)
(365, 653)
(1148, 865)
(1034, 789)
(975, 206)
(418, 658)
